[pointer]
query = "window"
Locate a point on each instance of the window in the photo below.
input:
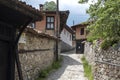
(73, 37)
(32, 25)
(67, 34)
(70, 37)
(64, 31)
(82, 31)
(49, 22)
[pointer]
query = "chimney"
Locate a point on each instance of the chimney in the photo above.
(41, 7)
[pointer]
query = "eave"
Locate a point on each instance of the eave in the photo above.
(18, 13)
(79, 25)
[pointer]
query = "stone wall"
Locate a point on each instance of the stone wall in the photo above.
(89, 53)
(36, 53)
(105, 63)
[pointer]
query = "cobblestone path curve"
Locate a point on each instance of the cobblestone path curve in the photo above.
(72, 68)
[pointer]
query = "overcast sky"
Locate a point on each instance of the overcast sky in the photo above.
(77, 11)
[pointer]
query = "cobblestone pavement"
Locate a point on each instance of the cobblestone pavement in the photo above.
(72, 68)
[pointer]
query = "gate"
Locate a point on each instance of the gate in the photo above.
(7, 34)
(79, 46)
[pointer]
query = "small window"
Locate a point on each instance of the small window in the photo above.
(32, 25)
(82, 31)
(70, 37)
(49, 22)
(73, 37)
(65, 32)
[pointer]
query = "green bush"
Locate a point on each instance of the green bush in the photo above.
(91, 39)
(107, 43)
(44, 73)
(83, 58)
(103, 21)
(56, 65)
(87, 69)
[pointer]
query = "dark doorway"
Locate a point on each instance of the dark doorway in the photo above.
(79, 46)
(6, 51)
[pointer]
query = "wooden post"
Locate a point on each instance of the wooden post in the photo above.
(57, 30)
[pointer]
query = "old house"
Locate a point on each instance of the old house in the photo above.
(66, 37)
(79, 36)
(36, 50)
(14, 17)
(49, 22)
(49, 25)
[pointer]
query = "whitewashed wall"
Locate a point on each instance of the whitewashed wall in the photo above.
(65, 37)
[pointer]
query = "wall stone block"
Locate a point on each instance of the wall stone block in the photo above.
(35, 55)
(105, 63)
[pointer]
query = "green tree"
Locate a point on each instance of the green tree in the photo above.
(50, 6)
(83, 1)
(106, 20)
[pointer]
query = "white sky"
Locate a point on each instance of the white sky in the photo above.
(77, 11)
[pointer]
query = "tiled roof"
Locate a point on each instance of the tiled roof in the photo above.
(63, 19)
(39, 33)
(22, 7)
(79, 25)
(69, 29)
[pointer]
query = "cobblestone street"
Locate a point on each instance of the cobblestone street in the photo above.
(72, 68)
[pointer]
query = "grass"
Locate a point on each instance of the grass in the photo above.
(44, 73)
(87, 69)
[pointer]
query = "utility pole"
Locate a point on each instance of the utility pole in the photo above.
(57, 31)
(73, 23)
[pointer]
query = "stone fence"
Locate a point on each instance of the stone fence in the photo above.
(36, 51)
(105, 63)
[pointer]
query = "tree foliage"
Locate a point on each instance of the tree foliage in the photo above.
(50, 6)
(106, 20)
(83, 1)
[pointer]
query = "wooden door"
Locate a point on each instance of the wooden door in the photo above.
(4, 52)
(7, 35)
(79, 47)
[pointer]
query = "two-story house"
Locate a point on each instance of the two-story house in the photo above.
(66, 37)
(49, 25)
(49, 22)
(80, 36)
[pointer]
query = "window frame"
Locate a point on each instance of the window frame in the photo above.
(50, 22)
(70, 37)
(32, 25)
(73, 37)
(82, 31)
